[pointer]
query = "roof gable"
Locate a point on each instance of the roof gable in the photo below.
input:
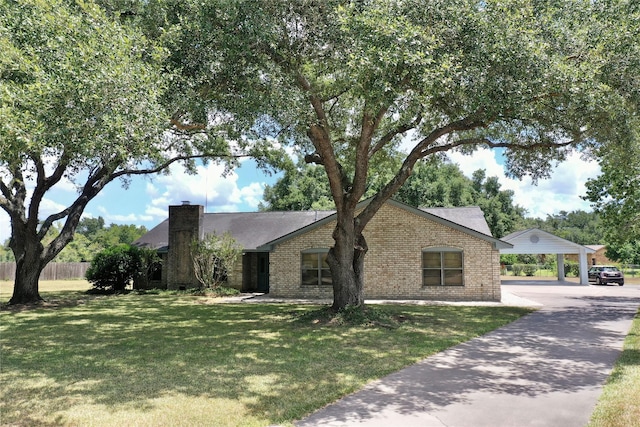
(471, 221)
(261, 231)
(536, 241)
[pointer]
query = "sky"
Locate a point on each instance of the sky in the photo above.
(145, 201)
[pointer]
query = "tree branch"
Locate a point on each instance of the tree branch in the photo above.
(5, 190)
(369, 126)
(187, 127)
(38, 192)
(169, 162)
(322, 143)
(386, 138)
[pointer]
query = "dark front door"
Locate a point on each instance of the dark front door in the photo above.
(263, 272)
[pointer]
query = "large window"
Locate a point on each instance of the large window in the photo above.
(315, 270)
(442, 267)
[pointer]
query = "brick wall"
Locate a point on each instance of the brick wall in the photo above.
(393, 265)
(185, 225)
(596, 258)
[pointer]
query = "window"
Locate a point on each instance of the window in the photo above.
(315, 270)
(442, 267)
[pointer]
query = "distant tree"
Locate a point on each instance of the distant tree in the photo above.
(90, 226)
(299, 189)
(434, 182)
(80, 249)
(500, 210)
(5, 252)
(117, 234)
(627, 253)
(581, 227)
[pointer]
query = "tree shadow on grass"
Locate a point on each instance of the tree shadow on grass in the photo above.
(127, 351)
(562, 349)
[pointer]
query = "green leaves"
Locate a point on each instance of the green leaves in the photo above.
(85, 88)
(214, 258)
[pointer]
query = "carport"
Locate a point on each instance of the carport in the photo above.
(536, 242)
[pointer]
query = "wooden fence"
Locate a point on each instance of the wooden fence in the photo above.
(53, 270)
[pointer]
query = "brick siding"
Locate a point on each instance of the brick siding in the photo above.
(393, 264)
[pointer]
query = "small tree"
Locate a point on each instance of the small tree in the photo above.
(114, 268)
(213, 257)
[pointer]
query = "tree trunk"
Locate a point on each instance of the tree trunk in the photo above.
(346, 262)
(28, 269)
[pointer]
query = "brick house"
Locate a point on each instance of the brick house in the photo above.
(598, 257)
(431, 253)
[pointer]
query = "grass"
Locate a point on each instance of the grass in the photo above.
(618, 405)
(171, 360)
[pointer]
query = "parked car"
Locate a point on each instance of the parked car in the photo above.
(602, 274)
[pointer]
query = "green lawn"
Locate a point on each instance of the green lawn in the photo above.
(619, 404)
(166, 360)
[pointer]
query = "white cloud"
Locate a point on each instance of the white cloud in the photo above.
(210, 187)
(561, 192)
(252, 194)
(156, 212)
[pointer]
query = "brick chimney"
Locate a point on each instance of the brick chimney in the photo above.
(185, 224)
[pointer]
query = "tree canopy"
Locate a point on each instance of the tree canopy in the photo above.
(345, 81)
(615, 194)
(84, 99)
(342, 81)
(433, 183)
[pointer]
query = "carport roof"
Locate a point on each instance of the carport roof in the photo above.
(536, 241)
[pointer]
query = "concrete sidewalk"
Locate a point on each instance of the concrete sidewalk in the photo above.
(545, 369)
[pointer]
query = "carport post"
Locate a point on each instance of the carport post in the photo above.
(560, 259)
(582, 260)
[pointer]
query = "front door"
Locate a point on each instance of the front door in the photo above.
(263, 272)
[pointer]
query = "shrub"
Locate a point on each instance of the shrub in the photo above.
(530, 269)
(213, 258)
(572, 268)
(517, 269)
(114, 268)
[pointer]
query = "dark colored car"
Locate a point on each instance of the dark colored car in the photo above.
(602, 274)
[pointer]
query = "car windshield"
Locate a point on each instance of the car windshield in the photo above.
(609, 268)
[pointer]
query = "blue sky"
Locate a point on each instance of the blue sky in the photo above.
(146, 200)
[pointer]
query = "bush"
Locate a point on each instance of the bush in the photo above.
(572, 268)
(517, 269)
(114, 268)
(530, 269)
(213, 259)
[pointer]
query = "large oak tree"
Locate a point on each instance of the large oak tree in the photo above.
(615, 194)
(83, 99)
(347, 80)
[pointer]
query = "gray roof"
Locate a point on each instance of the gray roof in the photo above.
(469, 220)
(263, 230)
(249, 229)
(471, 217)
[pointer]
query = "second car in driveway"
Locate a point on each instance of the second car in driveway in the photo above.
(602, 274)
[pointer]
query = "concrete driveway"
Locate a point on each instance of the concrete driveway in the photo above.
(545, 369)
